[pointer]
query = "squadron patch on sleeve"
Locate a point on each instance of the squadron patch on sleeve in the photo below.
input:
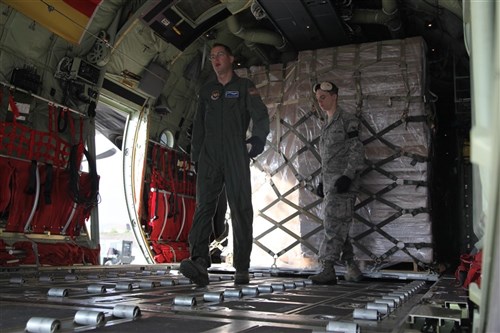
(215, 95)
(253, 91)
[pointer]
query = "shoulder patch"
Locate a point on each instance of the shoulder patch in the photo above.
(253, 91)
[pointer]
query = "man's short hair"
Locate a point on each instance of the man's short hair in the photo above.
(226, 48)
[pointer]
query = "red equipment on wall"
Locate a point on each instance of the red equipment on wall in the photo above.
(43, 191)
(171, 204)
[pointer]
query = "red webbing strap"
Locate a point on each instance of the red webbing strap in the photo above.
(164, 168)
(57, 254)
(469, 269)
(153, 197)
(153, 189)
(172, 167)
(171, 251)
(184, 176)
(80, 144)
(18, 212)
(6, 172)
(21, 141)
(474, 274)
(15, 138)
(463, 268)
(13, 107)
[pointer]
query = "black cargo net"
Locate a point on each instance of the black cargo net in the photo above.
(391, 221)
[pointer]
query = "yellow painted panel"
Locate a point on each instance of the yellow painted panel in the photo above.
(55, 15)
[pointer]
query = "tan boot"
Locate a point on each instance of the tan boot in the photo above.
(327, 274)
(353, 274)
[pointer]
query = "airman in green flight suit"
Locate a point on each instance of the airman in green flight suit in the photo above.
(222, 152)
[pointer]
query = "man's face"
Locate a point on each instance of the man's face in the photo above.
(222, 62)
(325, 99)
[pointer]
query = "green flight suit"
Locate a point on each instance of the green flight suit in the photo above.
(218, 147)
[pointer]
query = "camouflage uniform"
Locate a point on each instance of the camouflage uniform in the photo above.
(342, 153)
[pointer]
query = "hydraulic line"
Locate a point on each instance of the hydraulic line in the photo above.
(183, 219)
(166, 215)
(37, 195)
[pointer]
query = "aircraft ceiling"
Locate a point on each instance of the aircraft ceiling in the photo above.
(151, 54)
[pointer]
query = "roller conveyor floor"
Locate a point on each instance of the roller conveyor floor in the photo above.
(158, 299)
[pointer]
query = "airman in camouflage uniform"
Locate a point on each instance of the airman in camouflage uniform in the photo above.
(342, 155)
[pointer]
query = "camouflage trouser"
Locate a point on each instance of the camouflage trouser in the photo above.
(338, 214)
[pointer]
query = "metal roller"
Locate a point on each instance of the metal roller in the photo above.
(278, 286)
(168, 282)
(131, 273)
(407, 292)
(17, 280)
(126, 311)
(214, 278)
(96, 289)
(342, 327)
(226, 277)
(380, 307)
(84, 317)
(162, 272)
(46, 278)
(401, 296)
(185, 281)
(146, 273)
(308, 282)
(232, 293)
(123, 286)
(396, 299)
(93, 276)
(213, 297)
(250, 291)
(185, 300)
(289, 285)
(42, 325)
(265, 288)
(390, 302)
(416, 285)
(146, 284)
(300, 284)
(58, 292)
(368, 314)
(71, 277)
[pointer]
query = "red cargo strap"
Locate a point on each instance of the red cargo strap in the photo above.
(469, 269)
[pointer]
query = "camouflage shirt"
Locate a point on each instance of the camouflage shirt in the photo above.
(342, 152)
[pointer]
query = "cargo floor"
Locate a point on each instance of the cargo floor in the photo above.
(158, 299)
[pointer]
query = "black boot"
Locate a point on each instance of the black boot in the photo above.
(327, 274)
(353, 274)
(241, 277)
(195, 270)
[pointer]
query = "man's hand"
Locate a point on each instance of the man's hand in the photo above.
(319, 190)
(257, 146)
(342, 184)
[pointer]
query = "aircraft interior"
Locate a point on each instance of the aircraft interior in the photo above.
(422, 77)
